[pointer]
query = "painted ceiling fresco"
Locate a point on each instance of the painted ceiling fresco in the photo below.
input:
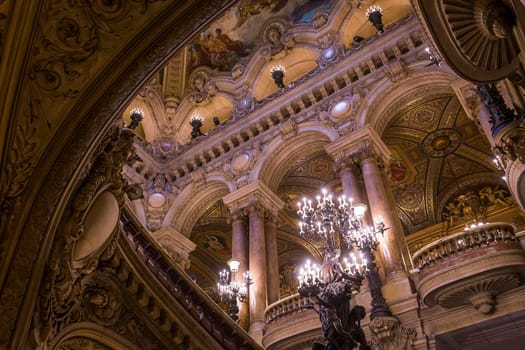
(233, 37)
(436, 148)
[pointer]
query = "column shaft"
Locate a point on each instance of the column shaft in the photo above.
(353, 187)
(258, 291)
(381, 207)
(272, 263)
(240, 252)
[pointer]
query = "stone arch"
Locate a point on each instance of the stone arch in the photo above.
(192, 202)
(91, 333)
(280, 154)
(89, 117)
(377, 107)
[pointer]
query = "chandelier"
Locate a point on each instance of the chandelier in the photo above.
(339, 223)
(231, 290)
(136, 115)
(334, 221)
(374, 15)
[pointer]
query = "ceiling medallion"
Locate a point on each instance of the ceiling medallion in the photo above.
(441, 142)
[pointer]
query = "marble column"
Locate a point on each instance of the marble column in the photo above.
(258, 290)
(382, 208)
(272, 263)
(367, 150)
(257, 199)
(352, 182)
(240, 252)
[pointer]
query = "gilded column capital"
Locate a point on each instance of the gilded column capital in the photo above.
(237, 215)
(342, 163)
(358, 146)
(252, 196)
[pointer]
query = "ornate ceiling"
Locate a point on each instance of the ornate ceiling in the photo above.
(438, 152)
(226, 69)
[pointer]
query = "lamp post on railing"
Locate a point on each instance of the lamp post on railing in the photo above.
(232, 291)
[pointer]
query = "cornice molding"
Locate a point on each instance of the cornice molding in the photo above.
(354, 144)
(254, 194)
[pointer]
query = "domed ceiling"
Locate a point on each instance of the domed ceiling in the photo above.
(436, 151)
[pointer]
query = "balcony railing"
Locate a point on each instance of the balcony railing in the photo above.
(458, 243)
(194, 301)
(291, 323)
(286, 307)
(470, 267)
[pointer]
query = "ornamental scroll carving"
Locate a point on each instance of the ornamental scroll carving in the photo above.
(22, 157)
(77, 286)
(73, 42)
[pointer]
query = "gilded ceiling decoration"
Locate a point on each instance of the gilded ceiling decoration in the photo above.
(436, 148)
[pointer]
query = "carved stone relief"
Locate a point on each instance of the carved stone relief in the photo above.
(82, 343)
(277, 40)
(389, 334)
(24, 150)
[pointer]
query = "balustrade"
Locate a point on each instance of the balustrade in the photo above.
(277, 108)
(457, 243)
(286, 307)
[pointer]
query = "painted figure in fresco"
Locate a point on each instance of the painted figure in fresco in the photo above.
(217, 51)
(248, 8)
(232, 45)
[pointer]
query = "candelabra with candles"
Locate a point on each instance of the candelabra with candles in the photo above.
(196, 124)
(374, 14)
(339, 223)
(136, 115)
(277, 73)
(232, 291)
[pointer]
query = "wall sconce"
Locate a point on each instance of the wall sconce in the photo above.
(277, 73)
(374, 14)
(136, 115)
(432, 58)
(196, 124)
